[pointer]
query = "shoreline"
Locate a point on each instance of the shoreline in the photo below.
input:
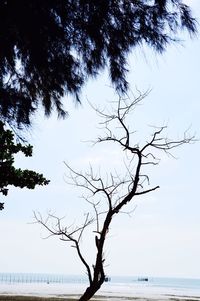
(71, 297)
(108, 292)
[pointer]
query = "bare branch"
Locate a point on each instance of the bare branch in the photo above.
(110, 194)
(65, 234)
(147, 191)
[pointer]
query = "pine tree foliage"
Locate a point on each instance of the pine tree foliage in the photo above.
(49, 48)
(9, 175)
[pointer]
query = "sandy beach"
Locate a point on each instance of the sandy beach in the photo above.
(44, 291)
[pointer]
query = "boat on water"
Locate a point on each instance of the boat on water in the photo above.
(143, 279)
(107, 279)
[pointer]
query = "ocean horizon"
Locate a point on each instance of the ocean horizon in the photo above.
(55, 284)
(15, 277)
(136, 283)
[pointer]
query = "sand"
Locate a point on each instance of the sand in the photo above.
(108, 292)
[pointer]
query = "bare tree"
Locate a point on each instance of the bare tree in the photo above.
(108, 196)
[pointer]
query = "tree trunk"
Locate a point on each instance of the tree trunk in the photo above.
(91, 290)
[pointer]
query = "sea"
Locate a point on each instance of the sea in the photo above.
(58, 284)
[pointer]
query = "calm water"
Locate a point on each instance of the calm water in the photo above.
(160, 282)
(115, 280)
(53, 285)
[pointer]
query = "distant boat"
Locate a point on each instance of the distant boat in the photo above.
(143, 279)
(107, 279)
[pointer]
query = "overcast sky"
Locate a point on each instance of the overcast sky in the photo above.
(162, 236)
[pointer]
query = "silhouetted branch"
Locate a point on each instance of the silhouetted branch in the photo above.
(117, 191)
(66, 233)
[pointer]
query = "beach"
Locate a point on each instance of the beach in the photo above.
(111, 292)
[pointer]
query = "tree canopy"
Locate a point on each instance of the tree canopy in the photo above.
(50, 48)
(9, 175)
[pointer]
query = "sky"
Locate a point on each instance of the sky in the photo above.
(161, 237)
